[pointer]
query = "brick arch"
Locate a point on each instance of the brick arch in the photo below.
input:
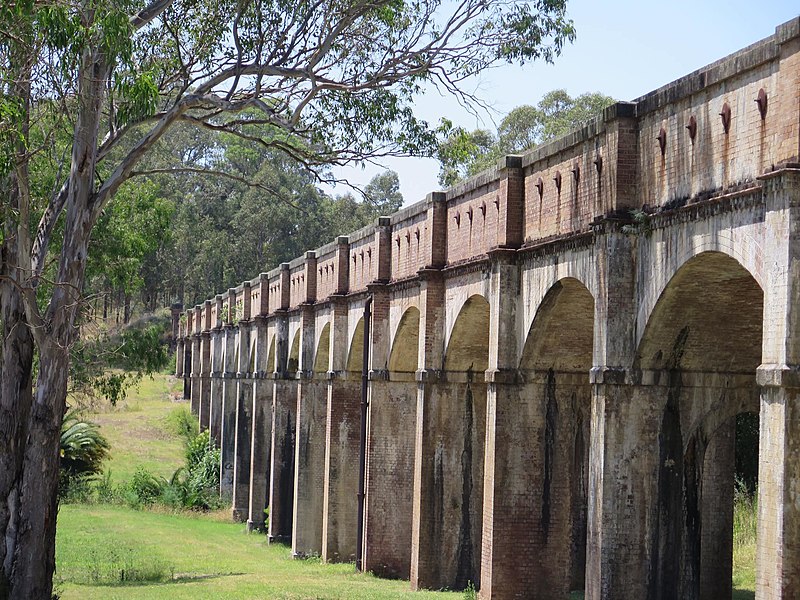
(708, 317)
(579, 266)
(293, 361)
(404, 355)
(561, 334)
(744, 249)
(355, 354)
(468, 344)
(322, 354)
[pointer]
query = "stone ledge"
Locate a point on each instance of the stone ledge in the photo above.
(785, 376)
(378, 375)
(502, 376)
(428, 375)
(609, 375)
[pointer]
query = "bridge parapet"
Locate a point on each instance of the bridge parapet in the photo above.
(363, 268)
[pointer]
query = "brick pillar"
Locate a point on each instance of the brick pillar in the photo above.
(217, 383)
(507, 504)
(244, 409)
(281, 483)
(205, 367)
(175, 313)
(194, 387)
(449, 457)
(179, 357)
(284, 420)
(623, 477)
(228, 430)
(778, 545)
(624, 435)
(716, 547)
(431, 351)
(390, 474)
(309, 460)
(217, 372)
(390, 449)
(261, 429)
(342, 433)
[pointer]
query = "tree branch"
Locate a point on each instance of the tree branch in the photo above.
(149, 13)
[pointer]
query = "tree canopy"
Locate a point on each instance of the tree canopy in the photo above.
(464, 153)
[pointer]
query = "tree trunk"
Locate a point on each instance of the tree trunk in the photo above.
(31, 504)
(15, 403)
(34, 558)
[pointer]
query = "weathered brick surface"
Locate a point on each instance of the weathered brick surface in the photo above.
(309, 463)
(281, 486)
(552, 377)
(390, 466)
(342, 429)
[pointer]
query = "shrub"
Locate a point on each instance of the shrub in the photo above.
(182, 423)
(83, 449)
(144, 488)
(197, 484)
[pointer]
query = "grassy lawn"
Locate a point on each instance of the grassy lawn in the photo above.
(136, 429)
(194, 557)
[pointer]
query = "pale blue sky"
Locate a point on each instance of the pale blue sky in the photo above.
(623, 48)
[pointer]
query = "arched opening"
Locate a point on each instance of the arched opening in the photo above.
(457, 442)
(293, 362)
(404, 357)
(390, 453)
(355, 356)
(322, 355)
(555, 399)
(468, 346)
(271, 364)
(699, 352)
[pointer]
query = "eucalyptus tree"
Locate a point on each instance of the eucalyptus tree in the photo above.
(323, 81)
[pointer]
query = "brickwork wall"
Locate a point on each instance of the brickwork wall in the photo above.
(473, 223)
(309, 474)
(281, 485)
(409, 240)
(343, 427)
(297, 283)
(327, 273)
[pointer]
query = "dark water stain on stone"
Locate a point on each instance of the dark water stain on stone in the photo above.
(551, 417)
(286, 485)
(466, 570)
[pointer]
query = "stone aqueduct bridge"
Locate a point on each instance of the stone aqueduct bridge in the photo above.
(553, 378)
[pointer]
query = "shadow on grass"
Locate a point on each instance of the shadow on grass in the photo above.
(177, 578)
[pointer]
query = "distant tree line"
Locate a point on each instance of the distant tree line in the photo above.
(183, 237)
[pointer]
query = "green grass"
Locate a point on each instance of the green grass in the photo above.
(137, 430)
(194, 557)
(744, 545)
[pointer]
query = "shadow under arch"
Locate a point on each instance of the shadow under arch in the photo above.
(697, 361)
(323, 351)
(404, 355)
(468, 345)
(293, 360)
(355, 354)
(272, 365)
